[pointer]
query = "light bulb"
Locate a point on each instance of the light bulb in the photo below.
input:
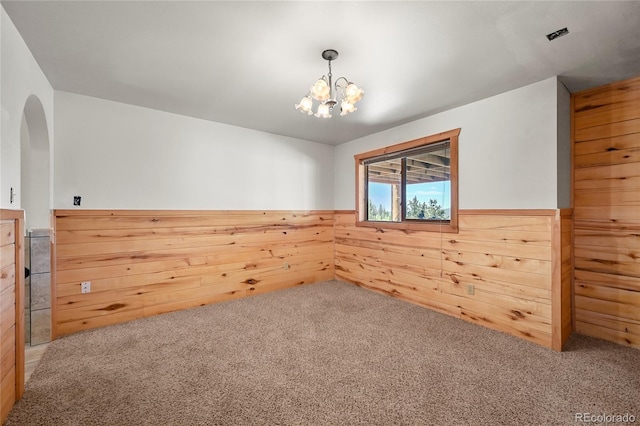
(320, 90)
(353, 93)
(323, 111)
(346, 107)
(305, 105)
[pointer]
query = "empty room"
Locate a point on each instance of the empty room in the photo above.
(319, 212)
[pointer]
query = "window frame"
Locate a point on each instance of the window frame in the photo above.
(450, 226)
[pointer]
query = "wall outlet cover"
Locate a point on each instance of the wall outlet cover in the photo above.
(77, 200)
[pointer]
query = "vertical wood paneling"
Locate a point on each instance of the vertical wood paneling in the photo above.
(7, 318)
(562, 300)
(11, 310)
(498, 271)
(143, 263)
(606, 147)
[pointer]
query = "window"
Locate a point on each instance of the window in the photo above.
(411, 185)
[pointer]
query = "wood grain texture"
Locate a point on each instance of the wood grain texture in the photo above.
(143, 263)
(7, 319)
(562, 297)
(11, 309)
(606, 147)
(508, 257)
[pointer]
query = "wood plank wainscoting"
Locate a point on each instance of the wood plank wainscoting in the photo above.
(11, 309)
(606, 199)
(508, 270)
(143, 263)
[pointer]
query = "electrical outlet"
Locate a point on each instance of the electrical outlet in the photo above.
(86, 287)
(286, 265)
(471, 289)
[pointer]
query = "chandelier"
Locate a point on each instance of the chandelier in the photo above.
(329, 94)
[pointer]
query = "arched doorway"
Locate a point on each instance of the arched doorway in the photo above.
(35, 200)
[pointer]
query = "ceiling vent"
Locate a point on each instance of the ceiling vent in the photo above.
(554, 35)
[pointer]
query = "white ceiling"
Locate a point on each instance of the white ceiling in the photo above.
(248, 63)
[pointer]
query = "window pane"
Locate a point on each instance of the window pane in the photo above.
(412, 185)
(383, 189)
(428, 189)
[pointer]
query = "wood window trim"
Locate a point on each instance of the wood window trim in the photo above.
(361, 203)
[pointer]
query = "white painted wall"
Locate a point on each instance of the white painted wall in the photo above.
(564, 146)
(508, 149)
(20, 77)
(119, 156)
(1, 97)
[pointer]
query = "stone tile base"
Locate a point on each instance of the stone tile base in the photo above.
(40, 326)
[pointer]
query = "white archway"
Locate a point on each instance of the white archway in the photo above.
(35, 200)
(35, 160)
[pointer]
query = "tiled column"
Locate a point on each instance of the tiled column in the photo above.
(40, 286)
(27, 291)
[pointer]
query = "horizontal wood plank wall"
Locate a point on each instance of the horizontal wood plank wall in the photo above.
(606, 149)
(506, 256)
(143, 263)
(11, 310)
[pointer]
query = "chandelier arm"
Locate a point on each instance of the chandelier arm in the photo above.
(340, 89)
(342, 78)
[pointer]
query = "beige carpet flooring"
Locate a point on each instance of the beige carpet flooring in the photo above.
(322, 354)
